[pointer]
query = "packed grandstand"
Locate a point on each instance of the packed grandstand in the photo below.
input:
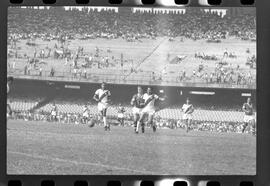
(130, 47)
(56, 22)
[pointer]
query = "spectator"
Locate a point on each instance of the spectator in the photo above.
(40, 71)
(52, 72)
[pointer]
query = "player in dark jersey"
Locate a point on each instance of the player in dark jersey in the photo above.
(9, 83)
(249, 118)
(54, 113)
(137, 102)
(120, 117)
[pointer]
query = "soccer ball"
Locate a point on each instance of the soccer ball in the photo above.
(91, 123)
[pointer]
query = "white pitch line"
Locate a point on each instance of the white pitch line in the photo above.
(79, 163)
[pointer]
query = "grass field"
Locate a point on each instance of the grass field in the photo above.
(51, 148)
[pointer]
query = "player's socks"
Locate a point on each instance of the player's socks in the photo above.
(137, 127)
(244, 128)
(154, 128)
(142, 128)
(105, 123)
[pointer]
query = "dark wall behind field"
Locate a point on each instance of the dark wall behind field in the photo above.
(70, 91)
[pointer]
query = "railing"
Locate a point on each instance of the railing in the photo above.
(116, 78)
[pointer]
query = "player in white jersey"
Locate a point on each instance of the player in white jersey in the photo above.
(9, 83)
(137, 102)
(85, 114)
(149, 108)
(54, 113)
(102, 96)
(120, 116)
(188, 109)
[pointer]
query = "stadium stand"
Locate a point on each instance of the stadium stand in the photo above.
(19, 105)
(168, 113)
(174, 113)
(49, 38)
(130, 25)
(204, 120)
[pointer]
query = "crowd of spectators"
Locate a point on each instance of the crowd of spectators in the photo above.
(211, 126)
(76, 118)
(63, 25)
(58, 23)
(221, 74)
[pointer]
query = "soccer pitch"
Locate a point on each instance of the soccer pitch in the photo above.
(54, 148)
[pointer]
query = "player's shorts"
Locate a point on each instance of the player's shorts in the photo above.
(136, 110)
(148, 110)
(53, 113)
(102, 106)
(248, 118)
(187, 116)
(120, 115)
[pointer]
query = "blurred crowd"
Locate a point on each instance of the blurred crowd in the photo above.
(58, 23)
(212, 126)
(77, 118)
(223, 73)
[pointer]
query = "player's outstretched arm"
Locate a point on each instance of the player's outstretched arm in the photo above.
(161, 98)
(95, 97)
(192, 109)
(244, 108)
(132, 101)
(182, 109)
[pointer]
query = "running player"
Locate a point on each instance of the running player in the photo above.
(9, 83)
(85, 114)
(249, 118)
(120, 117)
(149, 109)
(54, 113)
(102, 96)
(188, 109)
(137, 102)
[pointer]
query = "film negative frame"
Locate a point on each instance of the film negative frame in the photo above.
(262, 177)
